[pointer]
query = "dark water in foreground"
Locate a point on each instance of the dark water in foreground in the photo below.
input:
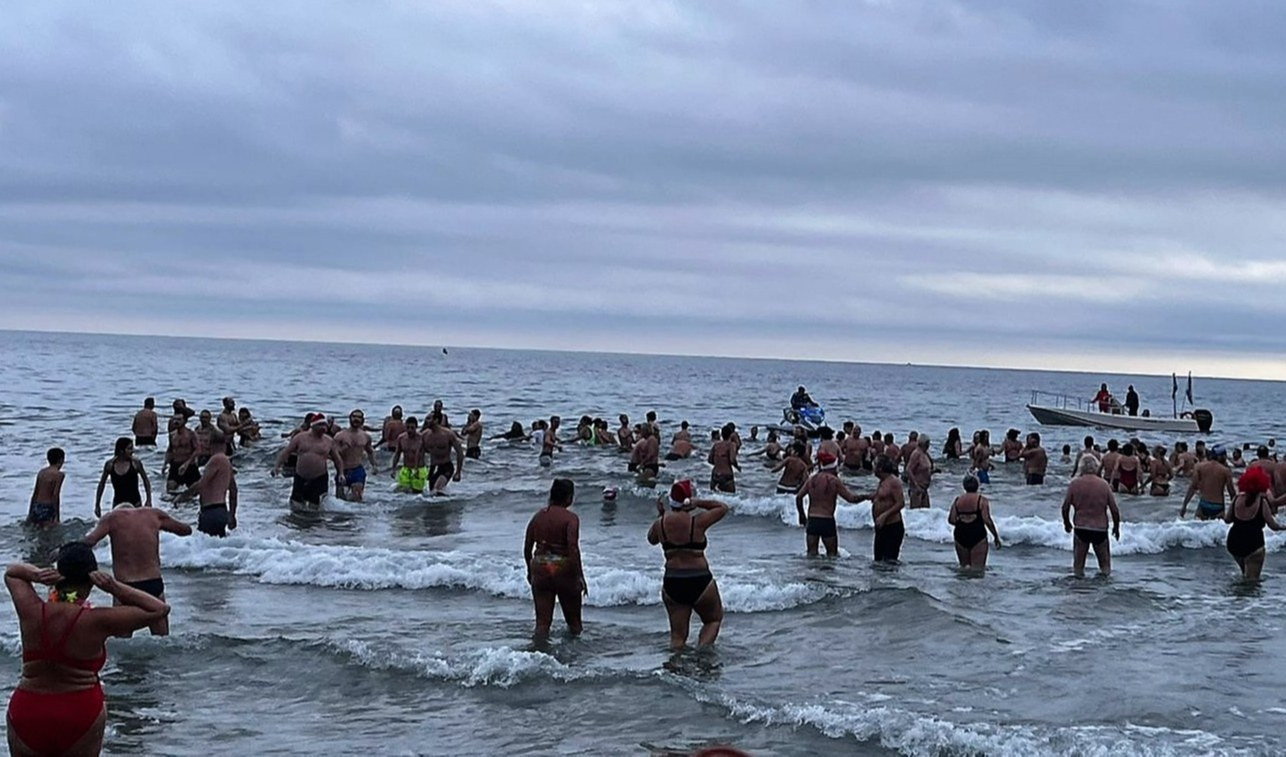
(402, 625)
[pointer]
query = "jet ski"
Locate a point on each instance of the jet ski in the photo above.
(810, 417)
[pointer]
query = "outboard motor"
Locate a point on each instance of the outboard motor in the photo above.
(1204, 418)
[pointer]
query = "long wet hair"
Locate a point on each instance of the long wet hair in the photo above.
(123, 443)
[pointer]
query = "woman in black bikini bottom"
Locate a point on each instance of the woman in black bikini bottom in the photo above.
(688, 585)
(971, 516)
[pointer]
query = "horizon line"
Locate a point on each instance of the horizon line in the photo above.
(765, 358)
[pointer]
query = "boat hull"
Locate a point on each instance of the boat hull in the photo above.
(1055, 416)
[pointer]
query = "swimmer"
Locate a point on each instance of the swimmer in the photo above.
(412, 476)
(1011, 447)
(312, 451)
(822, 490)
(645, 458)
(146, 424)
(229, 422)
(794, 470)
(1035, 460)
(980, 457)
(247, 427)
(125, 470)
(1092, 499)
(970, 517)
(723, 456)
(1127, 471)
(135, 534)
(919, 475)
(912, 442)
(439, 441)
(953, 447)
(392, 429)
(625, 434)
(1212, 479)
(887, 502)
(1159, 474)
(354, 445)
(45, 508)
(181, 457)
(551, 551)
(688, 584)
(1250, 512)
(217, 491)
(549, 442)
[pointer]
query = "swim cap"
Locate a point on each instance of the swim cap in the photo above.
(319, 419)
(681, 494)
(1254, 481)
(826, 460)
(609, 493)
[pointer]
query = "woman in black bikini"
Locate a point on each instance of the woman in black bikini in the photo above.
(688, 584)
(125, 471)
(1250, 512)
(971, 516)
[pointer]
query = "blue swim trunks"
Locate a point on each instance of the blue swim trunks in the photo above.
(355, 476)
(42, 513)
(1209, 509)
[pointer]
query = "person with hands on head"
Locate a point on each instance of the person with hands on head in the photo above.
(822, 490)
(551, 551)
(1092, 499)
(1251, 510)
(688, 584)
(58, 706)
(970, 515)
(125, 471)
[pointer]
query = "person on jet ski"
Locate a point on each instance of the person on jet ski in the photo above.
(800, 400)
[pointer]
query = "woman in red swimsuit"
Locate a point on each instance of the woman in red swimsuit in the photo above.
(58, 707)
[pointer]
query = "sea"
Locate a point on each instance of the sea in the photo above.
(403, 625)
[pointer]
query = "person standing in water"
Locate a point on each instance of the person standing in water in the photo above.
(919, 474)
(688, 585)
(45, 508)
(822, 490)
(1212, 479)
(970, 515)
(1250, 512)
(723, 456)
(355, 446)
(312, 451)
(1092, 499)
(1035, 460)
(887, 503)
(412, 476)
(146, 424)
(125, 471)
(135, 534)
(551, 551)
(472, 435)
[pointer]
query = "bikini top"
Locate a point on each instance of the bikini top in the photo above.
(57, 654)
(692, 544)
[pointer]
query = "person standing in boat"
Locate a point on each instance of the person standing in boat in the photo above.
(1103, 399)
(1131, 401)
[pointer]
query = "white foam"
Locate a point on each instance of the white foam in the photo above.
(277, 561)
(492, 666)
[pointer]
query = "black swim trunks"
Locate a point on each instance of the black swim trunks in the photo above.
(888, 542)
(145, 441)
(213, 520)
(1035, 479)
(822, 527)
(153, 586)
(473, 453)
(309, 492)
(723, 483)
(672, 456)
(186, 478)
(1091, 536)
(440, 471)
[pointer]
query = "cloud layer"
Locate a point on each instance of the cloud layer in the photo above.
(1081, 186)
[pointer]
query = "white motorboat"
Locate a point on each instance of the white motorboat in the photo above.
(1061, 410)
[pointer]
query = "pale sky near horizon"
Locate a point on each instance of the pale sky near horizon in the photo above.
(1088, 186)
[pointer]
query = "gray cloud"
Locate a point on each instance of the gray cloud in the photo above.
(1018, 183)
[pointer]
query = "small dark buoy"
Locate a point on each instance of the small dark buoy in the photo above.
(444, 350)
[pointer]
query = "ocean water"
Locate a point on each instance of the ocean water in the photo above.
(403, 625)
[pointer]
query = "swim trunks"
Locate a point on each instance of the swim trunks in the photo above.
(186, 478)
(1208, 509)
(440, 472)
(309, 491)
(1035, 479)
(54, 723)
(213, 520)
(788, 489)
(649, 470)
(723, 483)
(153, 586)
(355, 476)
(855, 470)
(672, 456)
(1091, 536)
(145, 441)
(983, 476)
(473, 453)
(412, 478)
(888, 542)
(41, 513)
(823, 527)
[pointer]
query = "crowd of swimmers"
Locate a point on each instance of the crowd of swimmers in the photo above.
(59, 703)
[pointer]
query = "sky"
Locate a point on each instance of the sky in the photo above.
(1086, 186)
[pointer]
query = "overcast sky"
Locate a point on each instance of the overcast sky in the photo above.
(1084, 185)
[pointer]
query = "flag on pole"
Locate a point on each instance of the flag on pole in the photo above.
(1190, 400)
(1175, 391)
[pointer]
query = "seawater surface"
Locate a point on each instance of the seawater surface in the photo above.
(402, 625)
